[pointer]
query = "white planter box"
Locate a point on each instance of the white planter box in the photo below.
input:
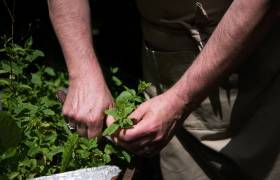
(98, 173)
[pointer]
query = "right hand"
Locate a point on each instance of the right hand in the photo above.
(86, 101)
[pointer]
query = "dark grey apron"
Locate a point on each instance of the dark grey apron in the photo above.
(174, 32)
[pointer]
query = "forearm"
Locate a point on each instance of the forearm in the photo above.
(71, 21)
(218, 57)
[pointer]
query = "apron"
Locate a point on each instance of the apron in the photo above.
(174, 32)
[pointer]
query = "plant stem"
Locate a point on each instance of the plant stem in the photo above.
(11, 14)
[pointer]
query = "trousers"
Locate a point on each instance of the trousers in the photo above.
(238, 120)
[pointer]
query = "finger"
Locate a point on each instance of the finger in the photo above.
(123, 145)
(138, 131)
(95, 126)
(134, 146)
(81, 129)
(109, 120)
(138, 113)
(94, 131)
(143, 149)
(136, 116)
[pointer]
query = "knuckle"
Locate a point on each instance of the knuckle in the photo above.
(95, 125)
(91, 124)
(96, 119)
(125, 138)
(79, 117)
(153, 129)
(66, 112)
(69, 115)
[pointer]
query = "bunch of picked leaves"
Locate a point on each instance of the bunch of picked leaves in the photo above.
(34, 138)
(125, 103)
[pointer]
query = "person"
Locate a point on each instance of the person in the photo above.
(189, 48)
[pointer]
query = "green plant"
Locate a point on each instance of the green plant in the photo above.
(126, 102)
(36, 140)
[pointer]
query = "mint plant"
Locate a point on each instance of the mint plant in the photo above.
(126, 102)
(34, 138)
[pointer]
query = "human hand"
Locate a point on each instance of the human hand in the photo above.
(156, 122)
(86, 101)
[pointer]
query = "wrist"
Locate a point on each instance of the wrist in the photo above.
(85, 69)
(184, 98)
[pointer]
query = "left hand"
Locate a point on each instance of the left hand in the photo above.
(156, 122)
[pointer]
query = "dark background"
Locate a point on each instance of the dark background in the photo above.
(117, 41)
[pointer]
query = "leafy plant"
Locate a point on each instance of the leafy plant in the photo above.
(34, 138)
(126, 102)
(8, 140)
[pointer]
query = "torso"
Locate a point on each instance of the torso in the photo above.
(158, 11)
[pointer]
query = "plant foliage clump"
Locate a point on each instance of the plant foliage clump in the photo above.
(34, 138)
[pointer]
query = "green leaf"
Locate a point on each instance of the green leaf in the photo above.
(54, 150)
(45, 124)
(107, 158)
(13, 175)
(93, 143)
(48, 112)
(24, 87)
(2, 71)
(128, 110)
(30, 163)
(49, 71)
(38, 53)
(10, 134)
(126, 156)
(142, 86)
(109, 149)
(68, 150)
(19, 107)
(51, 135)
(4, 82)
(28, 43)
(112, 112)
(124, 97)
(117, 81)
(17, 69)
(33, 151)
(11, 152)
(84, 147)
(129, 122)
(114, 70)
(17, 49)
(111, 129)
(36, 79)
(83, 154)
(6, 66)
(47, 102)
(132, 92)
(34, 55)
(32, 108)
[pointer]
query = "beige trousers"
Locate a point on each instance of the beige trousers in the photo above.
(208, 123)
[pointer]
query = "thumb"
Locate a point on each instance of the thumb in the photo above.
(138, 113)
(109, 120)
